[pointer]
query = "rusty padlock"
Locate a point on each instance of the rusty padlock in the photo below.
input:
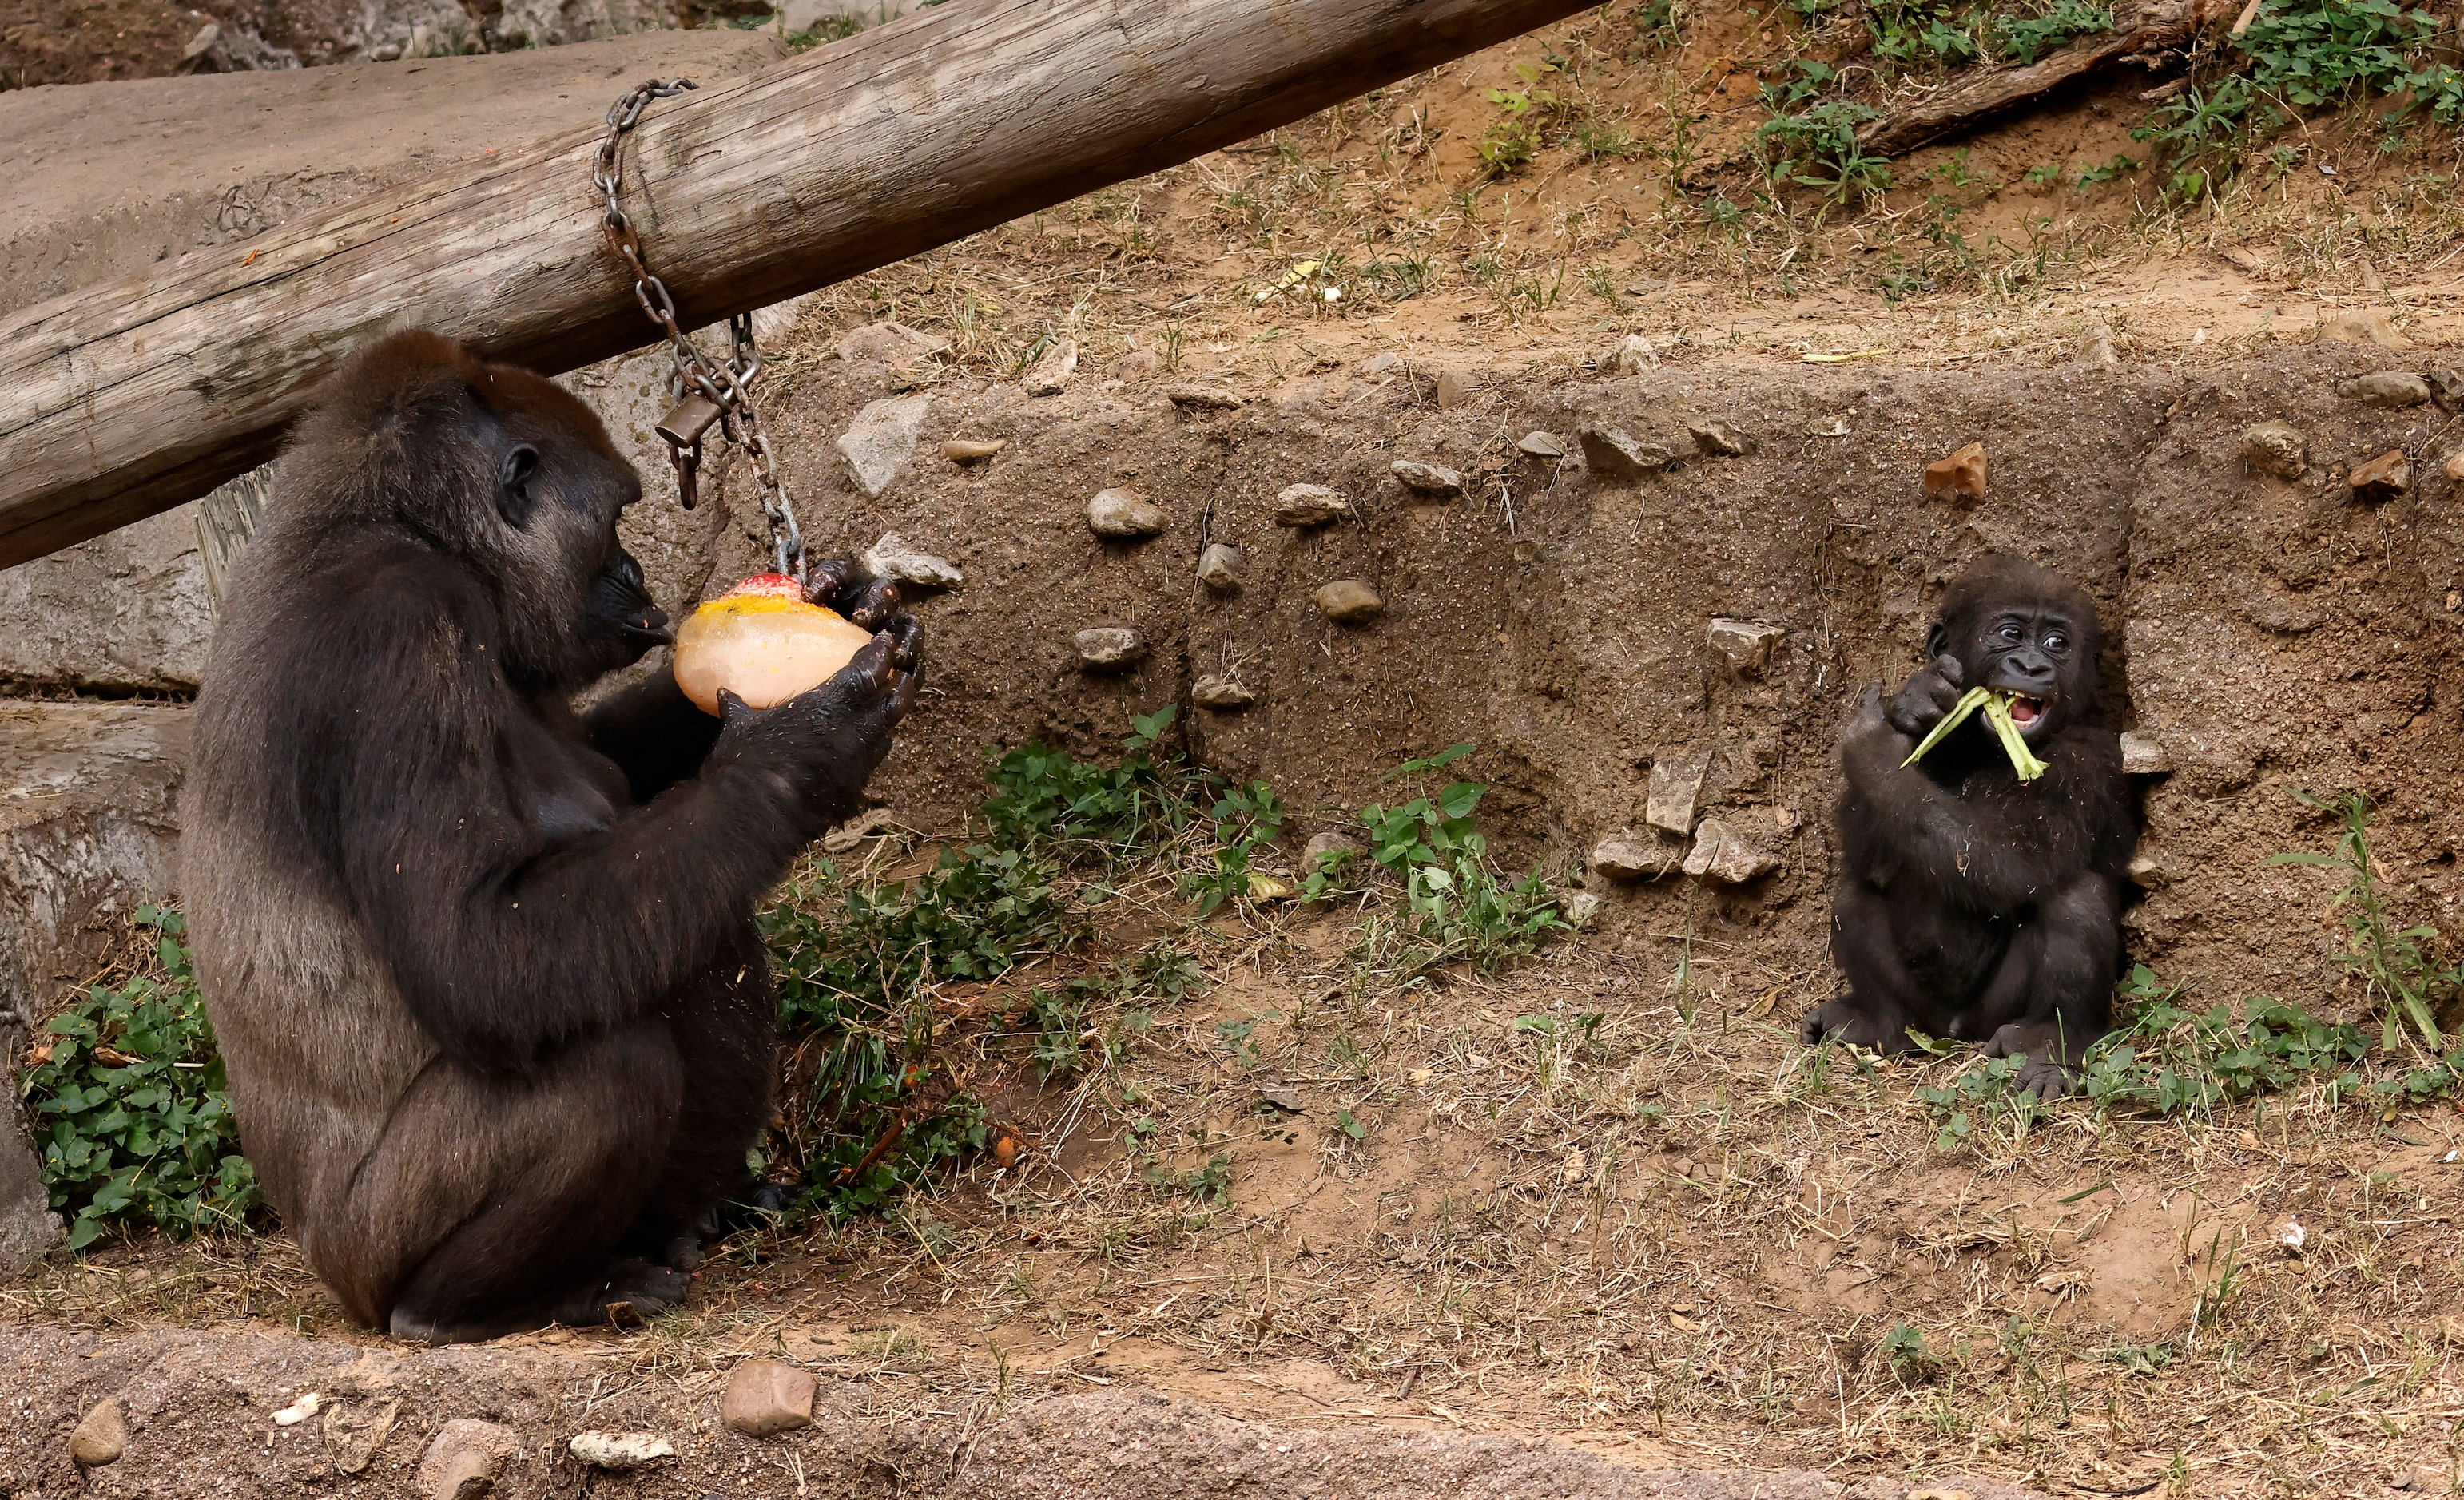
(683, 428)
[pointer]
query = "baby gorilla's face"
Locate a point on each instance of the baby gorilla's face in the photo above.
(624, 620)
(2027, 651)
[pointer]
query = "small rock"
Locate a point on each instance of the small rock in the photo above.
(972, 450)
(1349, 601)
(882, 439)
(1309, 505)
(1613, 453)
(1631, 355)
(1222, 694)
(1049, 374)
(2454, 466)
(2362, 326)
(1645, 859)
(1427, 479)
(1829, 428)
(2144, 756)
(1728, 854)
(299, 1411)
(765, 1397)
(1138, 364)
(1283, 1098)
(464, 1459)
(2386, 388)
(1542, 445)
(1454, 388)
(1745, 643)
(1218, 568)
(894, 557)
(1579, 908)
(1122, 516)
(1109, 648)
(1330, 849)
(202, 43)
(102, 1435)
(2276, 447)
(1387, 363)
(1676, 790)
(2429, 1479)
(891, 344)
(2447, 389)
(1960, 476)
(2146, 870)
(2096, 347)
(353, 1435)
(620, 1450)
(1204, 398)
(2386, 477)
(1718, 438)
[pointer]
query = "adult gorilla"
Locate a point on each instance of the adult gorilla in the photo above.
(484, 971)
(1972, 903)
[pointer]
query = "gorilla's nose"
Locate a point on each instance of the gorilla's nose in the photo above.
(2028, 667)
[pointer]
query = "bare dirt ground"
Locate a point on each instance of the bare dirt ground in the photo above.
(1668, 1239)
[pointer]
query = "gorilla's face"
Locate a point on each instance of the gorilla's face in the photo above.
(2030, 649)
(625, 622)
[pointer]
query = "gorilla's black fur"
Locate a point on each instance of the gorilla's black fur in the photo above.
(484, 970)
(1971, 903)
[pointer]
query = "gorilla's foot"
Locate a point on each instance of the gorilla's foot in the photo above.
(631, 1290)
(2050, 1068)
(1846, 1020)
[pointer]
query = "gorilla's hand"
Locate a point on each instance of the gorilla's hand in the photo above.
(1928, 696)
(842, 584)
(827, 740)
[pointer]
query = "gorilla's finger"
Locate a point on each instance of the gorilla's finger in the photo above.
(902, 692)
(868, 601)
(905, 636)
(732, 709)
(1948, 668)
(824, 581)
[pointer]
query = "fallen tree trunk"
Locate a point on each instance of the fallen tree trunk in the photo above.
(120, 400)
(2142, 31)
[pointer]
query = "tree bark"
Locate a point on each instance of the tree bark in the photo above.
(120, 400)
(2141, 29)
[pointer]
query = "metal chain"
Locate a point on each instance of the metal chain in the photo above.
(708, 393)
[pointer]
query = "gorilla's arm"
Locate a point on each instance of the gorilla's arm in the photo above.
(651, 731)
(505, 938)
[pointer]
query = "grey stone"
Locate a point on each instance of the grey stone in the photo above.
(2446, 388)
(1205, 398)
(1630, 858)
(1612, 452)
(1631, 355)
(2276, 447)
(1542, 445)
(894, 556)
(1330, 849)
(1744, 643)
(1676, 790)
(1427, 479)
(2144, 756)
(355, 1432)
(1309, 505)
(2146, 871)
(1579, 907)
(891, 344)
(882, 439)
(2386, 388)
(2096, 347)
(1111, 649)
(1720, 438)
(1050, 374)
(1283, 1097)
(1222, 694)
(1349, 601)
(464, 1459)
(2362, 326)
(1123, 516)
(1387, 363)
(1218, 568)
(618, 1451)
(1453, 387)
(102, 1435)
(1731, 853)
(765, 1397)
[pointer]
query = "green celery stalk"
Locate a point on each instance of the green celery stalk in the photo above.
(1997, 714)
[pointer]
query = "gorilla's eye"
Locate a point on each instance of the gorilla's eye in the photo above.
(2054, 641)
(2010, 631)
(513, 484)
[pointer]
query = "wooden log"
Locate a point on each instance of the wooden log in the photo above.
(120, 400)
(1979, 98)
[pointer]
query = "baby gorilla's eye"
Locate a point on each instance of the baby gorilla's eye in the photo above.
(2054, 641)
(2009, 632)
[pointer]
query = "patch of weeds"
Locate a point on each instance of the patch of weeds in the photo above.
(1912, 1360)
(1913, 31)
(1047, 798)
(1815, 143)
(2200, 130)
(2394, 965)
(1984, 1100)
(2021, 38)
(1096, 1017)
(1658, 26)
(131, 1109)
(2319, 53)
(1514, 137)
(2168, 1060)
(1206, 1185)
(1246, 821)
(2121, 162)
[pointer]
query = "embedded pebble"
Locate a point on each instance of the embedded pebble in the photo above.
(1222, 694)
(1647, 857)
(1961, 475)
(2386, 388)
(1727, 854)
(891, 344)
(1720, 438)
(895, 558)
(2144, 756)
(1109, 648)
(1631, 355)
(2096, 347)
(1611, 452)
(1050, 374)
(764, 1398)
(2455, 466)
(1676, 790)
(620, 1450)
(1325, 850)
(1579, 908)
(2447, 389)
(464, 1459)
(1349, 601)
(1745, 643)
(972, 450)
(1454, 388)
(299, 1411)
(2362, 326)
(102, 1435)
(1119, 515)
(882, 439)
(354, 1434)
(2383, 478)
(1387, 363)
(1205, 398)
(1309, 505)
(1138, 365)
(1542, 445)
(1218, 568)
(2276, 447)
(2146, 870)
(1427, 479)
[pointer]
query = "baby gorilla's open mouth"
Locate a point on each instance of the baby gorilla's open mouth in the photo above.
(2025, 711)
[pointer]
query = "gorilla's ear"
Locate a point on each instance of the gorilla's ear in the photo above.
(1937, 642)
(513, 485)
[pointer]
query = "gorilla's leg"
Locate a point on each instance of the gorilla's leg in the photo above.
(501, 1199)
(727, 1048)
(1884, 1000)
(2052, 997)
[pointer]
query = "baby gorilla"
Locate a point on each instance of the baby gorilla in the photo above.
(1972, 903)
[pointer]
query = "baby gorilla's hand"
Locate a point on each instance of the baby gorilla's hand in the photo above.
(1928, 696)
(844, 585)
(828, 740)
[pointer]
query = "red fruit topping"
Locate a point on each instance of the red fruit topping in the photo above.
(772, 583)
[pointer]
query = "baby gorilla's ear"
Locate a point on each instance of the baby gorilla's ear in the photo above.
(1937, 642)
(514, 477)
